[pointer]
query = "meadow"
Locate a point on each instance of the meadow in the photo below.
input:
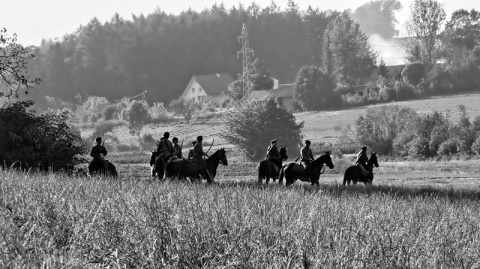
(415, 215)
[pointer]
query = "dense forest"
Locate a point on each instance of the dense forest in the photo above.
(160, 52)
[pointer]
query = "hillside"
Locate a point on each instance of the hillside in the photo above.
(319, 126)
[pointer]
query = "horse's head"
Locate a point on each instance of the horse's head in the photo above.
(373, 161)
(324, 159)
(221, 156)
(283, 153)
(153, 158)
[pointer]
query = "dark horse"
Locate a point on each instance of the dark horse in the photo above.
(97, 168)
(196, 171)
(294, 171)
(157, 164)
(268, 170)
(356, 173)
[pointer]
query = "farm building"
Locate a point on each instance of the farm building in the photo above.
(203, 88)
(284, 95)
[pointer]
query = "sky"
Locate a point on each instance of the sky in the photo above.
(33, 20)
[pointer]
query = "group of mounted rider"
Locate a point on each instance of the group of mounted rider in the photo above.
(309, 168)
(169, 153)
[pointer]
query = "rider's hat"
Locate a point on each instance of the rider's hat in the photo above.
(194, 142)
(98, 139)
(166, 134)
(199, 138)
(364, 147)
(307, 142)
(273, 141)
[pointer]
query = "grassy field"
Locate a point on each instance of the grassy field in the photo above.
(319, 126)
(415, 215)
(54, 221)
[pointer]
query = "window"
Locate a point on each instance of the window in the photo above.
(193, 89)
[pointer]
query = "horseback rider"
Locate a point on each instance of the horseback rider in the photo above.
(165, 147)
(273, 154)
(306, 155)
(198, 152)
(177, 150)
(190, 152)
(362, 159)
(98, 153)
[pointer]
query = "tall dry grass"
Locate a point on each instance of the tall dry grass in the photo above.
(56, 221)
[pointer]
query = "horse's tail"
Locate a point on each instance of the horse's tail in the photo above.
(345, 178)
(261, 171)
(282, 174)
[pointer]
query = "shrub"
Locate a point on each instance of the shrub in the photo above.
(440, 81)
(404, 91)
(414, 73)
(448, 147)
(476, 145)
(37, 140)
(109, 112)
(379, 127)
(313, 88)
(251, 125)
(157, 111)
(388, 93)
(137, 117)
(147, 141)
(104, 128)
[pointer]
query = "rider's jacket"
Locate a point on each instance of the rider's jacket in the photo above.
(177, 151)
(307, 154)
(272, 152)
(165, 147)
(198, 150)
(98, 151)
(362, 158)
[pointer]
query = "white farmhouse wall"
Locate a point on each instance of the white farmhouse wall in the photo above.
(194, 92)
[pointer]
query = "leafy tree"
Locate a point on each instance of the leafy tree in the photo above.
(414, 73)
(346, 52)
(184, 108)
(423, 29)
(380, 127)
(261, 78)
(251, 125)
(378, 17)
(313, 89)
(137, 117)
(39, 141)
(14, 59)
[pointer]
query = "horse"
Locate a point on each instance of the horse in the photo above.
(97, 168)
(294, 171)
(356, 173)
(268, 170)
(157, 165)
(194, 170)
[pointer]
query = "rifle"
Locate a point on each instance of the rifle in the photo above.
(297, 158)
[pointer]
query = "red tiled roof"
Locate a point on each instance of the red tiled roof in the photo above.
(214, 83)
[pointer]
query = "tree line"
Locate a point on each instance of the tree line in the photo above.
(159, 52)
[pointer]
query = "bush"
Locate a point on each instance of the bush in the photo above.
(251, 125)
(379, 127)
(102, 129)
(147, 141)
(313, 89)
(404, 91)
(476, 145)
(414, 73)
(109, 112)
(38, 140)
(448, 147)
(388, 93)
(440, 81)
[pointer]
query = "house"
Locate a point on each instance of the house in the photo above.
(203, 88)
(283, 94)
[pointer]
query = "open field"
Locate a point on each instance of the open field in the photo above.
(319, 126)
(56, 221)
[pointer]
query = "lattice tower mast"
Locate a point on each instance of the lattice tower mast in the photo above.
(247, 54)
